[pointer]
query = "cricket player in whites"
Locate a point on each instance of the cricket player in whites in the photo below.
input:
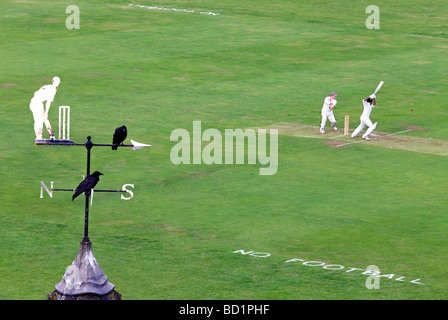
(327, 112)
(40, 114)
(369, 104)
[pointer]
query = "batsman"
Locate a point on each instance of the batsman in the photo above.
(40, 114)
(368, 103)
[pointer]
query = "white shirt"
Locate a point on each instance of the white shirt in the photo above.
(45, 93)
(327, 102)
(367, 108)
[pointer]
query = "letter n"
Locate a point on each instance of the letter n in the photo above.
(49, 191)
(243, 252)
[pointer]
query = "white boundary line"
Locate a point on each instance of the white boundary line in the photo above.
(173, 9)
(390, 134)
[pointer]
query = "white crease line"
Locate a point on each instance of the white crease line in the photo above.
(320, 136)
(341, 135)
(390, 134)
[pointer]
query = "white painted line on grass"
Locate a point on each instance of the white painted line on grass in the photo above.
(390, 134)
(341, 135)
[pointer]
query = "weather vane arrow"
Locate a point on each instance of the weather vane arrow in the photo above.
(135, 145)
(138, 145)
(119, 136)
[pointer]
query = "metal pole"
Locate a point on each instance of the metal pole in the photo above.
(86, 222)
(89, 146)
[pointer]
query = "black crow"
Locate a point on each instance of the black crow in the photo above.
(119, 136)
(88, 183)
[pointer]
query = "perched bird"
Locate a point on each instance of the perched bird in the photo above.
(119, 136)
(88, 183)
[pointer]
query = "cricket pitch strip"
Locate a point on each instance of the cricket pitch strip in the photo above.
(393, 140)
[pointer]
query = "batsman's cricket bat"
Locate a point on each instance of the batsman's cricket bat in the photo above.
(379, 87)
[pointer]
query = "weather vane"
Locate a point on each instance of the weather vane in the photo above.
(84, 279)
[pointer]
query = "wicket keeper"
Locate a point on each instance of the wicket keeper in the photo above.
(44, 94)
(327, 112)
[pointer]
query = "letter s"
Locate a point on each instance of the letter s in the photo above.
(131, 194)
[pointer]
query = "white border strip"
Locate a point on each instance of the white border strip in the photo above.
(173, 9)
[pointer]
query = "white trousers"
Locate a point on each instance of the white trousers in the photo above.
(38, 114)
(327, 115)
(365, 121)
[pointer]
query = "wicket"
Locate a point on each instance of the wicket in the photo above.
(64, 111)
(346, 125)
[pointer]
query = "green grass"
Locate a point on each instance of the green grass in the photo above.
(257, 63)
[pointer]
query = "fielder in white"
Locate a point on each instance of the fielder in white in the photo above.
(327, 112)
(40, 114)
(369, 103)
